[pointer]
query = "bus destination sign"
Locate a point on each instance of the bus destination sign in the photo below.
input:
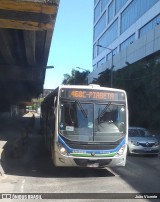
(91, 94)
(83, 94)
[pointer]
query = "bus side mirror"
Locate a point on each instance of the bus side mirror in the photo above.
(55, 105)
(55, 101)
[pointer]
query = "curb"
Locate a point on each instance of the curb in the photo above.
(2, 159)
(1, 169)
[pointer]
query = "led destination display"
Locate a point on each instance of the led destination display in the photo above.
(91, 94)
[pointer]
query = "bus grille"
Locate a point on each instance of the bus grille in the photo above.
(85, 162)
(91, 146)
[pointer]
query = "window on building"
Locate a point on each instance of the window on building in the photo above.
(101, 62)
(158, 20)
(149, 26)
(109, 36)
(111, 11)
(97, 11)
(134, 11)
(127, 42)
(115, 51)
(145, 29)
(94, 51)
(109, 56)
(119, 4)
(99, 27)
(95, 1)
(104, 3)
(94, 66)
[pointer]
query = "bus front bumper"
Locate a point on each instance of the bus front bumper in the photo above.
(63, 160)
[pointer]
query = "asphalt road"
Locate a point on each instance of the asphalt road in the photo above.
(32, 172)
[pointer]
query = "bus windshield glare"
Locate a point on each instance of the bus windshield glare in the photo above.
(92, 121)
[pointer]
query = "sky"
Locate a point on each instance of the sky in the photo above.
(72, 41)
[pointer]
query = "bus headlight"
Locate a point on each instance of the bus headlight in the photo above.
(62, 150)
(121, 151)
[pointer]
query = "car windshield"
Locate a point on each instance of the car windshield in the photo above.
(138, 133)
(90, 122)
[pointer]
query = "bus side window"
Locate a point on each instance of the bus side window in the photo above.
(52, 123)
(67, 115)
(53, 114)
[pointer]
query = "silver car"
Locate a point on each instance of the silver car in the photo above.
(140, 141)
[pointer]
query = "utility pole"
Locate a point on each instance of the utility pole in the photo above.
(112, 66)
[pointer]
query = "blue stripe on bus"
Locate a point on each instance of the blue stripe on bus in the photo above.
(70, 150)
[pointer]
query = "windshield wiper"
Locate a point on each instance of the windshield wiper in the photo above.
(81, 108)
(105, 109)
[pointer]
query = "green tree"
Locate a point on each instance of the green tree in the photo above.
(76, 78)
(104, 78)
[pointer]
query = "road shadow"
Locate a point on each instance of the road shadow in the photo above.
(33, 159)
(39, 164)
(14, 136)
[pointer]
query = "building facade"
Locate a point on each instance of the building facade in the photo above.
(125, 31)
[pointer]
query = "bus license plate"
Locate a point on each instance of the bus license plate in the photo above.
(93, 165)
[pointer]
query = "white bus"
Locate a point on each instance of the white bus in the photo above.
(86, 126)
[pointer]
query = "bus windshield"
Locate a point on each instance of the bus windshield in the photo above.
(92, 122)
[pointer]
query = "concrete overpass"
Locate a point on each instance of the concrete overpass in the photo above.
(26, 28)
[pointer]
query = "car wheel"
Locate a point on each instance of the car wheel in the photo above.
(128, 151)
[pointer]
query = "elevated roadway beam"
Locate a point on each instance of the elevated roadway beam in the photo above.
(26, 28)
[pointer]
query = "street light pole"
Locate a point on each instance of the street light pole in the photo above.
(49, 67)
(111, 62)
(82, 69)
(85, 71)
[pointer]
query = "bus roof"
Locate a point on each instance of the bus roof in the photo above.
(91, 86)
